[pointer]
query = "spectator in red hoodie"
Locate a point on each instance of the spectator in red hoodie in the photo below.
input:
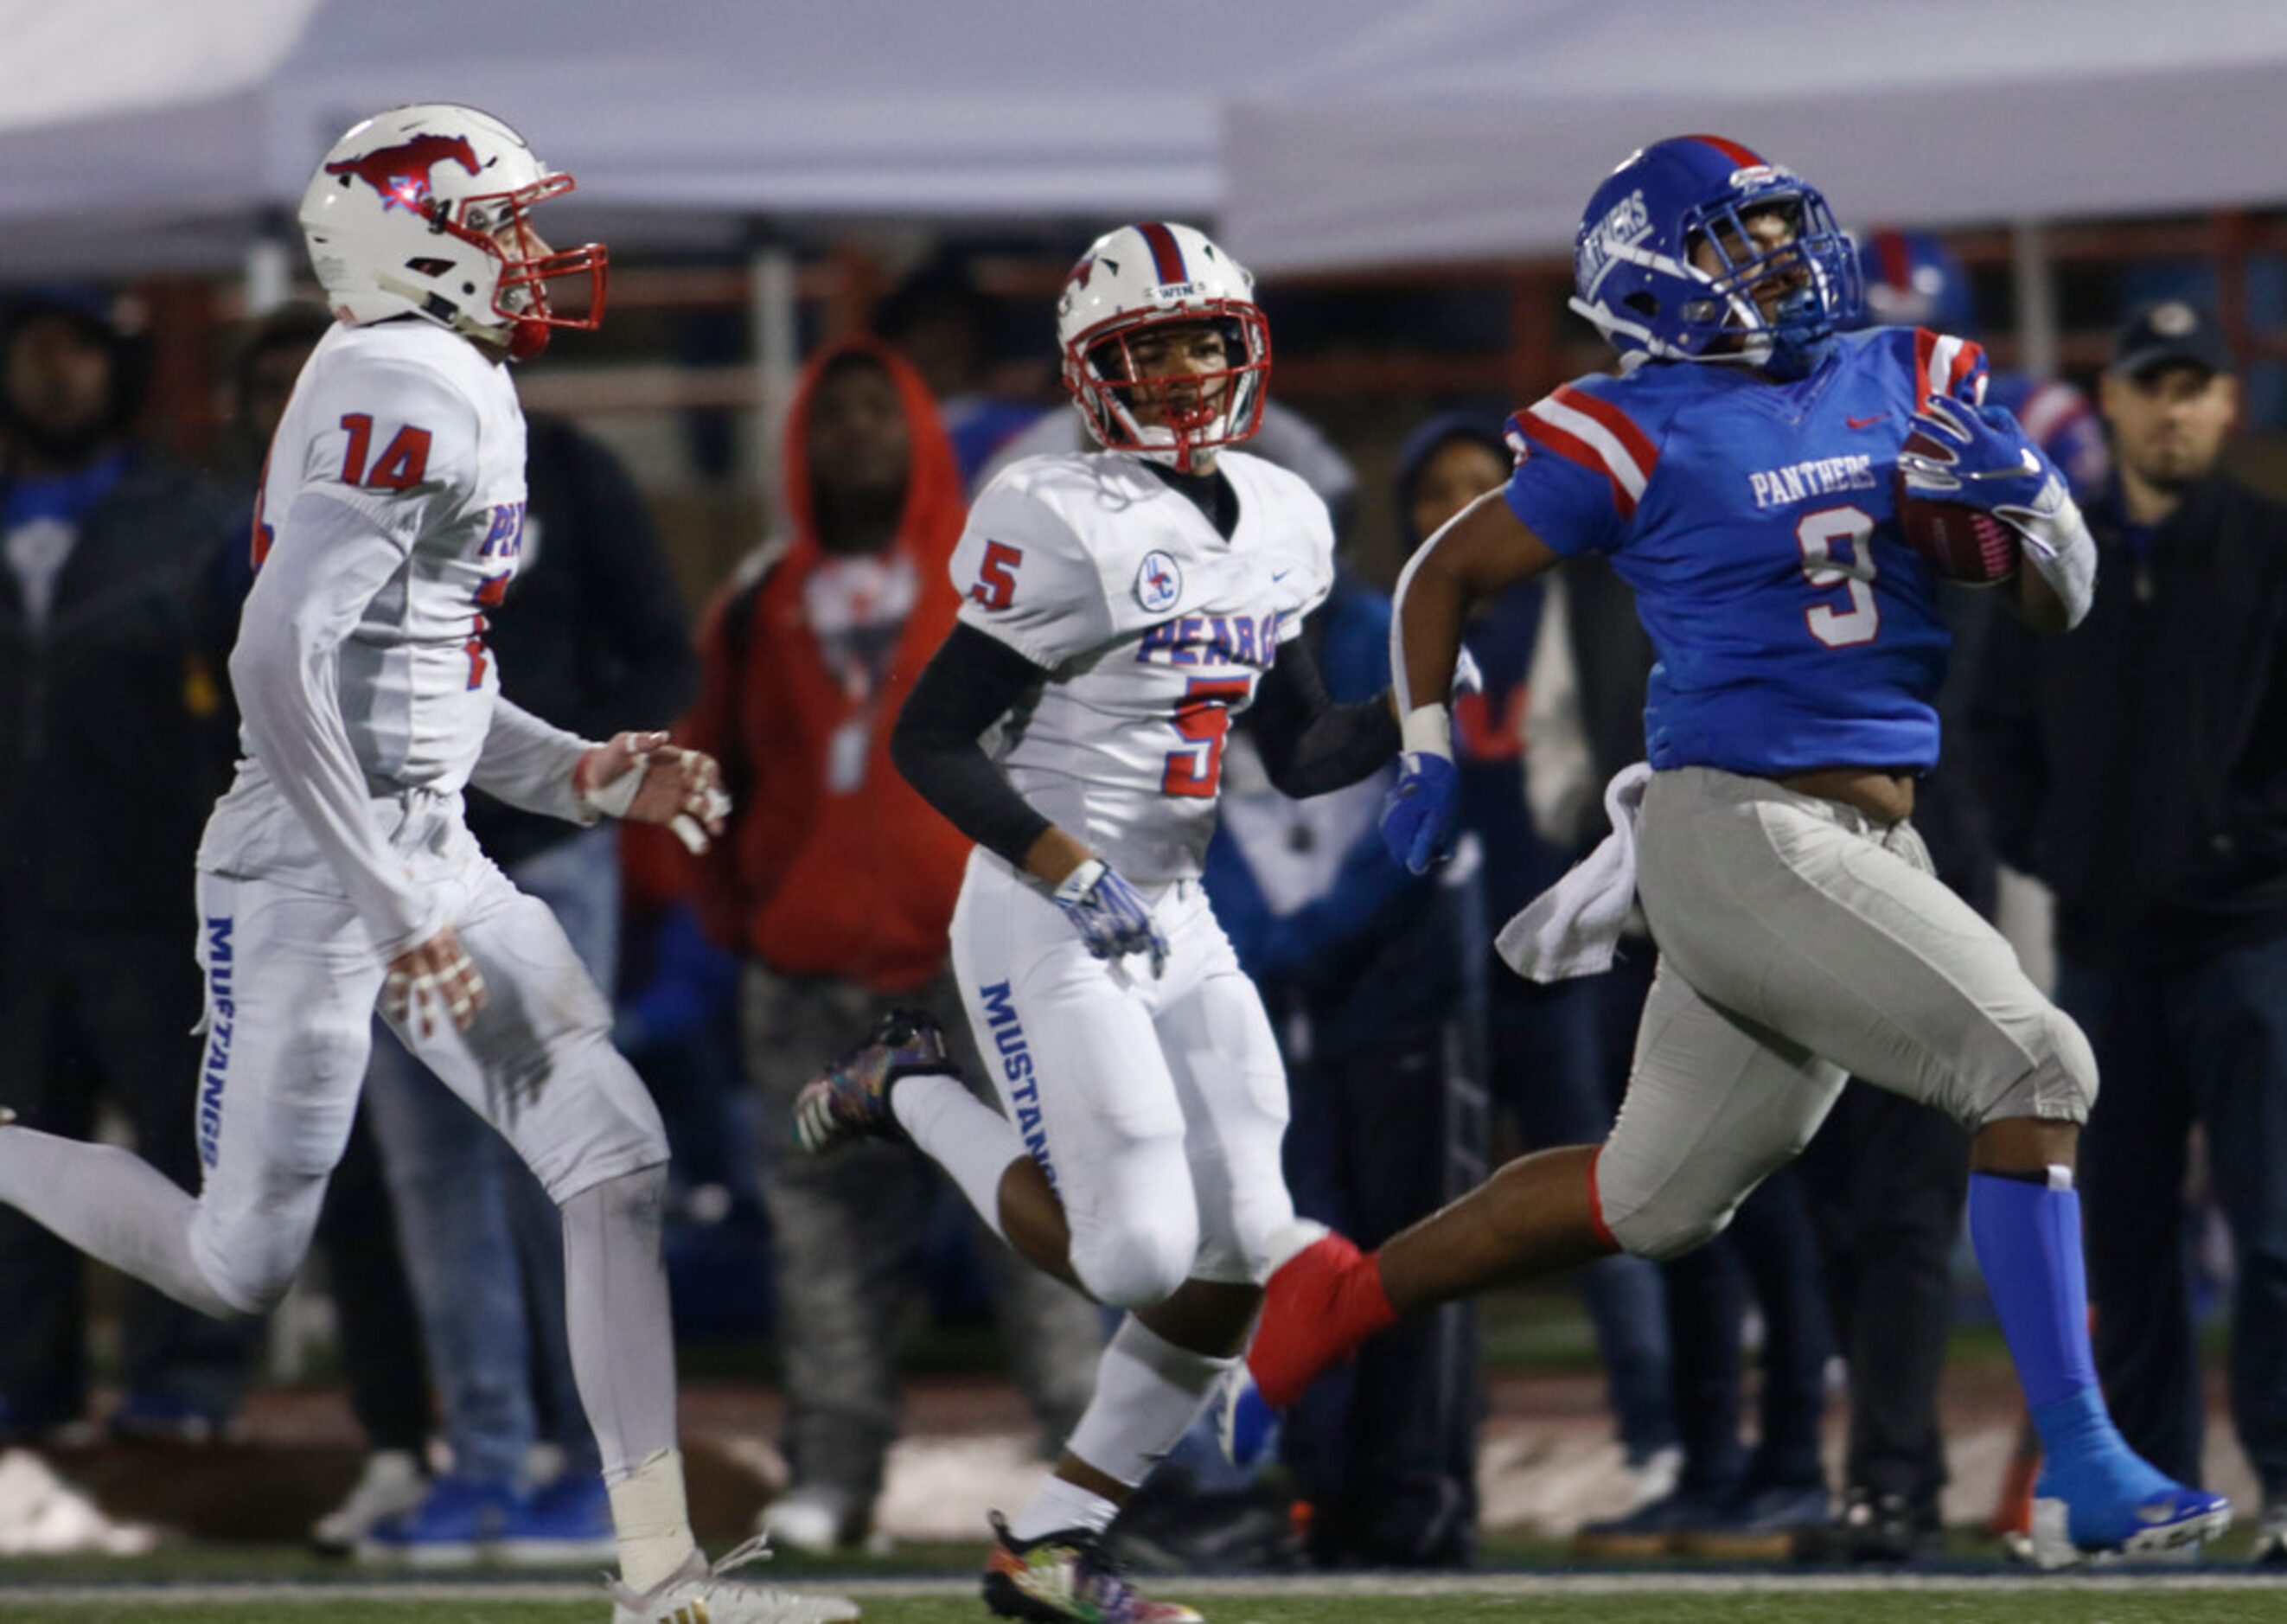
(836, 887)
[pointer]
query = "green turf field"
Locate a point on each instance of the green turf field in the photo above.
(1777, 1600)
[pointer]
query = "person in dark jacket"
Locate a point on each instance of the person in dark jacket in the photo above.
(112, 650)
(2140, 769)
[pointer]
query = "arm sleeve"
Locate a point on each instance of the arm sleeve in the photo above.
(528, 763)
(328, 561)
(1026, 581)
(969, 683)
(1310, 745)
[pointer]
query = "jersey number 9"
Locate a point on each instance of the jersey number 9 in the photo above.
(1840, 627)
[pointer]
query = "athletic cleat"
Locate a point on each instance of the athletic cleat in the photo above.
(2271, 1536)
(567, 1524)
(390, 1483)
(1246, 1427)
(454, 1525)
(849, 1099)
(1066, 1576)
(698, 1593)
(2170, 1517)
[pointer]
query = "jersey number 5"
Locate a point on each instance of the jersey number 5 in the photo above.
(1840, 627)
(1203, 717)
(996, 577)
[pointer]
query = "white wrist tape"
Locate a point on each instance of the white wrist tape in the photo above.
(614, 799)
(2059, 547)
(1077, 884)
(1428, 729)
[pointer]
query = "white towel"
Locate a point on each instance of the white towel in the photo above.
(1574, 928)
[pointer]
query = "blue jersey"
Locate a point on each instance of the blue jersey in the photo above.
(1794, 626)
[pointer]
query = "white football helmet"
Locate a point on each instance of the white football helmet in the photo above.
(424, 211)
(1155, 274)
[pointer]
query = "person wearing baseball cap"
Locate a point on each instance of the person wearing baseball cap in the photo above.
(2170, 334)
(2136, 767)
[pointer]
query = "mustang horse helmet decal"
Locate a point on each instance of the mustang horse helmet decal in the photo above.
(400, 173)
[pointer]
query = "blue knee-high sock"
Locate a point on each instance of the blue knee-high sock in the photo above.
(2027, 1238)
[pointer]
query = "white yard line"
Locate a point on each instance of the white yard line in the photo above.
(188, 1592)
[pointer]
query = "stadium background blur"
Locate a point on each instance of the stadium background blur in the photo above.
(859, 219)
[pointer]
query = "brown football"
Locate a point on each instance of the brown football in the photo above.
(1960, 542)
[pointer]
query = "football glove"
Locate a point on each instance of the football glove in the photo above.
(1417, 815)
(1990, 463)
(1111, 915)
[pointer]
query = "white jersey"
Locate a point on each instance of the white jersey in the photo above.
(388, 527)
(1154, 629)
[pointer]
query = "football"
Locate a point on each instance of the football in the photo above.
(1960, 542)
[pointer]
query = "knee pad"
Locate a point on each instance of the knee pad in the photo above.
(2061, 1084)
(1659, 1232)
(250, 1263)
(1240, 1250)
(602, 1124)
(1140, 1260)
(1660, 1216)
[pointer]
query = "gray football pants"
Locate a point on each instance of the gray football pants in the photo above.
(1802, 943)
(846, 1231)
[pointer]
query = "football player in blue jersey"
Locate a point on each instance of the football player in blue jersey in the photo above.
(1739, 471)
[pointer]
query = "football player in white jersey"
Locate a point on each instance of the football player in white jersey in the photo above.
(336, 873)
(1122, 606)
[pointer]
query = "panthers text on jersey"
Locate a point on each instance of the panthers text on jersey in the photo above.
(1795, 627)
(1154, 630)
(391, 511)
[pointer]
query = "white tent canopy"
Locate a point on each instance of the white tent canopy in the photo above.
(140, 134)
(1476, 128)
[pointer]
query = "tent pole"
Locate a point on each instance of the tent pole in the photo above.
(772, 315)
(269, 266)
(2037, 299)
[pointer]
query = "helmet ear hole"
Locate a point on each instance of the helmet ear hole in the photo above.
(1643, 305)
(1110, 360)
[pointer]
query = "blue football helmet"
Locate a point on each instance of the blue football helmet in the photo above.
(1913, 280)
(1635, 276)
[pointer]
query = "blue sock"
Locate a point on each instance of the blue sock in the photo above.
(2028, 1241)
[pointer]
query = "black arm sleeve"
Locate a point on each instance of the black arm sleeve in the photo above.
(969, 683)
(1309, 744)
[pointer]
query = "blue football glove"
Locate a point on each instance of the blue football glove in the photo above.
(1986, 461)
(1111, 915)
(1417, 815)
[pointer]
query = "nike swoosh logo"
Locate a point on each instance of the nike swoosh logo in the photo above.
(1865, 423)
(1281, 575)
